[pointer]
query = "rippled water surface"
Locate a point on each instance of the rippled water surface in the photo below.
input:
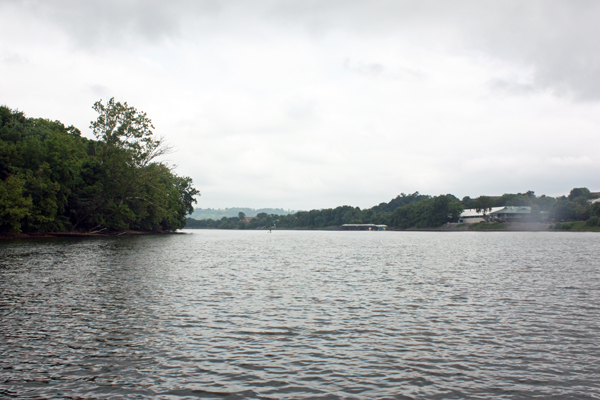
(324, 315)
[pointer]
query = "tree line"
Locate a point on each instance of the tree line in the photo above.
(404, 211)
(210, 213)
(421, 211)
(53, 179)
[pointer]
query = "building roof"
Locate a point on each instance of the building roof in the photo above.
(513, 210)
(359, 225)
(472, 212)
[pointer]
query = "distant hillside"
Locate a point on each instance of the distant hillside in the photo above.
(211, 213)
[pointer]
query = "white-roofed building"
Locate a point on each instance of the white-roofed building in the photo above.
(511, 214)
(364, 227)
(505, 214)
(472, 216)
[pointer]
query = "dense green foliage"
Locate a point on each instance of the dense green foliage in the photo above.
(423, 211)
(53, 179)
(591, 223)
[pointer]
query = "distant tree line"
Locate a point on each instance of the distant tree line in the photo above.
(421, 211)
(404, 211)
(211, 213)
(53, 179)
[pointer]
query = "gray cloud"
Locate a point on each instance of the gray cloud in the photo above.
(512, 87)
(370, 69)
(118, 23)
(557, 38)
(100, 90)
(14, 58)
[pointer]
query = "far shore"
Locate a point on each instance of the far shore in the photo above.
(490, 227)
(487, 227)
(449, 227)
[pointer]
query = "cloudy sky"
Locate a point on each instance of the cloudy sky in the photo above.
(306, 104)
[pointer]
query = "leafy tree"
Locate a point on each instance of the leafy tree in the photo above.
(137, 192)
(564, 210)
(14, 207)
(455, 208)
(594, 219)
(595, 209)
(483, 203)
(545, 203)
(579, 192)
(120, 126)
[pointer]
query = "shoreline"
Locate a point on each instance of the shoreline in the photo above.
(67, 234)
(491, 227)
(449, 227)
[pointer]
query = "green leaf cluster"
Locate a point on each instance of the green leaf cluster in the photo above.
(53, 179)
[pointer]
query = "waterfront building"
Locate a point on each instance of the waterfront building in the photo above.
(503, 214)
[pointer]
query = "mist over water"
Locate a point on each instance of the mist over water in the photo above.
(302, 314)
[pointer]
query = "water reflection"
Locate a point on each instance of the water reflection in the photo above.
(302, 314)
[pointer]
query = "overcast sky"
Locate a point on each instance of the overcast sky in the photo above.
(305, 104)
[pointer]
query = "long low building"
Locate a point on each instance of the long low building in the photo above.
(472, 216)
(512, 214)
(364, 227)
(505, 214)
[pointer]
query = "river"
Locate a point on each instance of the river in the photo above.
(302, 314)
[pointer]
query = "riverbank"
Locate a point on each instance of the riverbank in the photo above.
(498, 226)
(449, 227)
(486, 227)
(11, 236)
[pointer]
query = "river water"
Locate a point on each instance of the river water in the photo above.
(302, 314)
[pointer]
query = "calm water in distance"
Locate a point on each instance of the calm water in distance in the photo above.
(302, 314)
